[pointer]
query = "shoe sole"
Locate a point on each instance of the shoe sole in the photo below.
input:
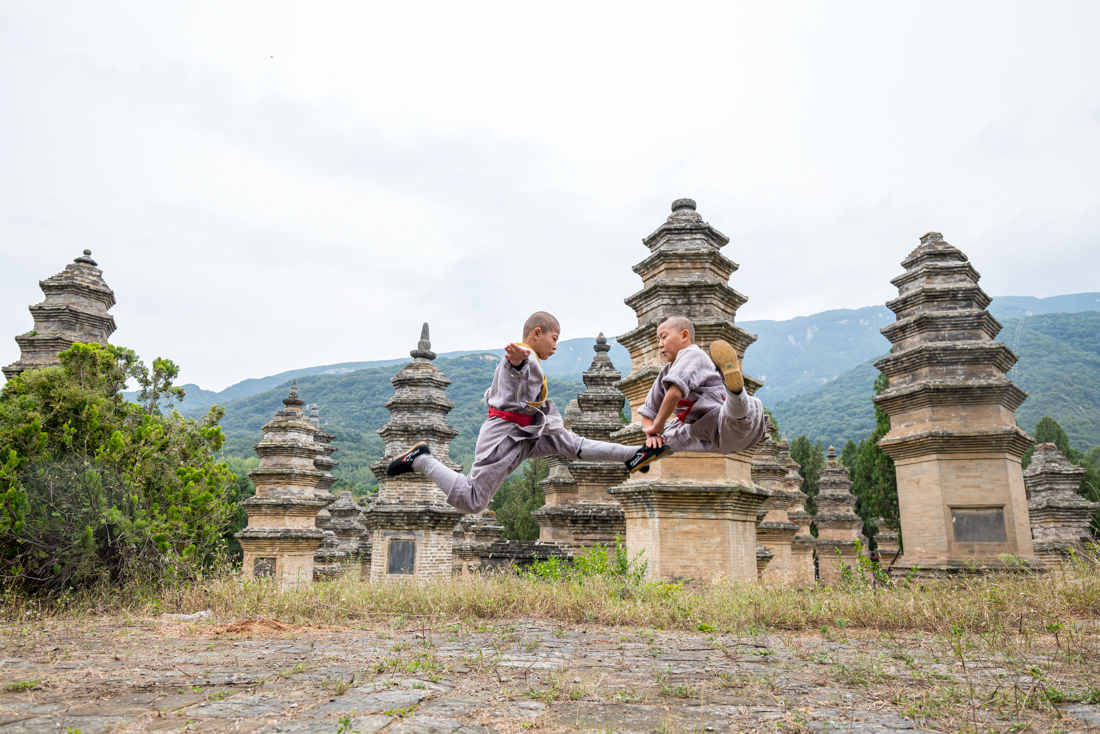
(643, 466)
(413, 448)
(725, 359)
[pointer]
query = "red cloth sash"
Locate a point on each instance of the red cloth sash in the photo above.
(689, 404)
(520, 419)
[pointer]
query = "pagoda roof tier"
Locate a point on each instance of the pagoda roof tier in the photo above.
(61, 318)
(698, 299)
(308, 537)
(420, 375)
(409, 434)
(987, 360)
(276, 476)
(995, 441)
(955, 297)
(697, 264)
(921, 395)
(685, 228)
(641, 341)
(767, 527)
(284, 503)
(83, 280)
(418, 404)
(940, 326)
(693, 497)
(937, 273)
(932, 248)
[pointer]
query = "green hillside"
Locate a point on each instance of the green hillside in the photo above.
(352, 408)
(1059, 368)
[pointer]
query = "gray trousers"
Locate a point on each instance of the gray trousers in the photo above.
(473, 493)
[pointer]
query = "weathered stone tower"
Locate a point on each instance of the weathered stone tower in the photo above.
(281, 536)
(803, 544)
(473, 536)
(410, 522)
(694, 515)
(774, 529)
(75, 311)
(578, 510)
(953, 435)
(887, 543)
(1059, 516)
(838, 527)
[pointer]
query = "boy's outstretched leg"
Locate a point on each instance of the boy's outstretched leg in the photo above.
(470, 494)
(725, 359)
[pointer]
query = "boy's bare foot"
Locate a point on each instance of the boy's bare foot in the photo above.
(725, 359)
(404, 462)
(644, 456)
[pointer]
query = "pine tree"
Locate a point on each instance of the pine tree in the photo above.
(874, 479)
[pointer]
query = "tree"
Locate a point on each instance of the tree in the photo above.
(95, 488)
(874, 478)
(519, 496)
(811, 460)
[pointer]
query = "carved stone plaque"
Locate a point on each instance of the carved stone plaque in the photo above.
(402, 556)
(264, 568)
(979, 524)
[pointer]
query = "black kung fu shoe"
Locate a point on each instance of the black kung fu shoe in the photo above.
(404, 462)
(643, 457)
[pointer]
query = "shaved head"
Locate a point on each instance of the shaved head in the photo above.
(540, 320)
(679, 323)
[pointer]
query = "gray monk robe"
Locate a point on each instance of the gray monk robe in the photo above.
(718, 421)
(503, 445)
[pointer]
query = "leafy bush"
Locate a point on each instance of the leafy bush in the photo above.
(594, 562)
(95, 488)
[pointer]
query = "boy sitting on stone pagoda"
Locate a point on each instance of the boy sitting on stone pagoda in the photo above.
(706, 394)
(523, 424)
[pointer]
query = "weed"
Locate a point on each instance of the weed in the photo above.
(344, 725)
(20, 686)
(339, 685)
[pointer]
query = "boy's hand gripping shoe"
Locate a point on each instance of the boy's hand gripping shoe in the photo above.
(404, 462)
(643, 457)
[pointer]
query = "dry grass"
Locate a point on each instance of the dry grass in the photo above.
(1016, 602)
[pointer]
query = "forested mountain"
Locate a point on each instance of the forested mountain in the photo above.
(1059, 368)
(352, 408)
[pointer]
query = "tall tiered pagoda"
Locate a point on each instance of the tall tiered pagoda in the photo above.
(693, 514)
(578, 509)
(281, 537)
(838, 526)
(774, 529)
(410, 522)
(803, 544)
(953, 435)
(75, 311)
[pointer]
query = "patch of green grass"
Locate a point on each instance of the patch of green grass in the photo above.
(20, 686)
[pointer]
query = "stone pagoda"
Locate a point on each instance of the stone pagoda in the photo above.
(887, 543)
(953, 435)
(838, 527)
(473, 536)
(281, 536)
(410, 522)
(693, 514)
(803, 544)
(75, 311)
(1059, 516)
(578, 510)
(774, 529)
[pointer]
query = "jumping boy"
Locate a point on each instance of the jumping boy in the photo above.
(523, 424)
(706, 394)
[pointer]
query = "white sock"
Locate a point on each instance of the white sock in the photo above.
(589, 450)
(737, 404)
(435, 470)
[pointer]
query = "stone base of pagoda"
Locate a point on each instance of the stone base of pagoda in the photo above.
(887, 546)
(763, 560)
(581, 524)
(508, 556)
(466, 558)
(777, 537)
(329, 561)
(908, 567)
(803, 568)
(692, 530)
(829, 565)
(282, 555)
(957, 508)
(411, 541)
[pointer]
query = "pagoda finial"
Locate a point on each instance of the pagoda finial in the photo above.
(293, 401)
(683, 204)
(601, 344)
(929, 238)
(86, 258)
(423, 351)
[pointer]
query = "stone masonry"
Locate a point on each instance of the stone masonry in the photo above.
(693, 515)
(410, 522)
(578, 510)
(803, 544)
(774, 529)
(473, 537)
(838, 527)
(953, 435)
(282, 537)
(75, 311)
(1060, 517)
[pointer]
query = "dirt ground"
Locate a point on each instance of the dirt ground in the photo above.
(402, 676)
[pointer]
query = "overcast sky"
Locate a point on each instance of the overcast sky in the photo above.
(269, 186)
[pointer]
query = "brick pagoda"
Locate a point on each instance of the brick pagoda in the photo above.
(1060, 517)
(774, 529)
(838, 527)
